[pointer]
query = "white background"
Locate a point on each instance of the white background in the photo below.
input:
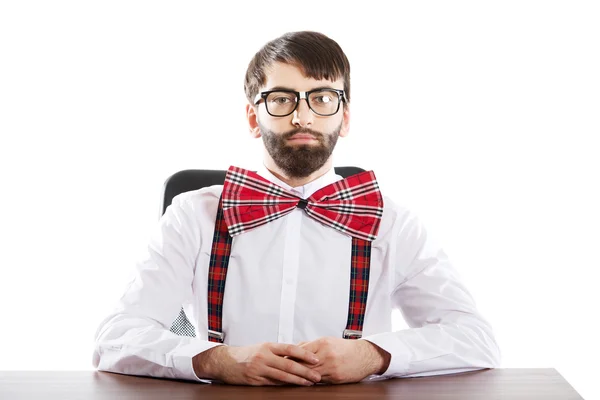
(482, 117)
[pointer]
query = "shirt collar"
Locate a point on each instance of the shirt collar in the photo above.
(304, 191)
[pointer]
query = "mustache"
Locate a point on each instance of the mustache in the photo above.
(293, 132)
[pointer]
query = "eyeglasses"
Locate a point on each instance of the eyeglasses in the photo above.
(281, 103)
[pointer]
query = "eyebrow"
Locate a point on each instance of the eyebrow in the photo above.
(294, 90)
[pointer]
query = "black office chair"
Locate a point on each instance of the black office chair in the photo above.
(193, 179)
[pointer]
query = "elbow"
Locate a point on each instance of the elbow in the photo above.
(495, 356)
(489, 354)
(484, 351)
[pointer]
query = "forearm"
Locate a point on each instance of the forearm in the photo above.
(376, 359)
(210, 363)
(438, 349)
(133, 345)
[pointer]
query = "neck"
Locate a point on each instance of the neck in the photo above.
(294, 181)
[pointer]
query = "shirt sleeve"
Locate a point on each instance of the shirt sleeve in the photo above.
(447, 334)
(135, 338)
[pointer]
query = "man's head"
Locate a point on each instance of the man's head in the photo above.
(299, 136)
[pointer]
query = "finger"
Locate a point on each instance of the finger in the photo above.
(296, 352)
(272, 382)
(298, 361)
(262, 380)
(277, 375)
(292, 367)
(313, 346)
(302, 344)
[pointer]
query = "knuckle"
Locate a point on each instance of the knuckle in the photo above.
(281, 376)
(288, 348)
(264, 345)
(247, 376)
(252, 370)
(257, 358)
(289, 365)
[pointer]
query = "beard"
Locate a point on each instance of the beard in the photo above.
(299, 161)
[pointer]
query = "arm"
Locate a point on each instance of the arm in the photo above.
(135, 338)
(447, 334)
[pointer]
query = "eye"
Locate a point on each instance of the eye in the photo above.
(323, 99)
(281, 100)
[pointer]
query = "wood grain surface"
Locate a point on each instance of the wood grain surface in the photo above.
(509, 383)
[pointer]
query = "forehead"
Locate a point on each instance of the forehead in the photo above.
(291, 77)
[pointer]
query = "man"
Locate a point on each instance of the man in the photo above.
(300, 289)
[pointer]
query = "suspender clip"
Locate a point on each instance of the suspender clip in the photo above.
(220, 336)
(350, 334)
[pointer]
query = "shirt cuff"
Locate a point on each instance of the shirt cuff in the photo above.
(182, 359)
(399, 352)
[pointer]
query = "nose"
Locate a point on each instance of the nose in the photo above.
(302, 116)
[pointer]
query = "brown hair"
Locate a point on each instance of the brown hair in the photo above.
(318, 56)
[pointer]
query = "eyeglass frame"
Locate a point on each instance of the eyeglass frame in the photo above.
(299, 96)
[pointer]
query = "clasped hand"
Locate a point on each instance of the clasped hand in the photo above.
(344, 360)
(325, 360)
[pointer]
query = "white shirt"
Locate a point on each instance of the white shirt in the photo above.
(288, 281)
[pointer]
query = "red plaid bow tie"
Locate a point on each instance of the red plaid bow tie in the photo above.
(353, 205)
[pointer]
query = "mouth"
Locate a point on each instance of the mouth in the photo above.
(302, 137)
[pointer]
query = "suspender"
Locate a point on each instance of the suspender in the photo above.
(217, 273)
(359, 288)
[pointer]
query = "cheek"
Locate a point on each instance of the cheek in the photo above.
(275, 124)
(282, 124)
(329, 124)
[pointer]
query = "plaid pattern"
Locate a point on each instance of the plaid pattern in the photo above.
(353, 206)
(219, 261)
(359, 285)
(182, 326)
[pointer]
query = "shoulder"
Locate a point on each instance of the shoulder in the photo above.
(198, 203)
(397, 219)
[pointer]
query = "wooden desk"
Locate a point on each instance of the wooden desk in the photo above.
(546, 384)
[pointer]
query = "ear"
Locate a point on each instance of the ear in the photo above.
(252, 121)
(345, 121)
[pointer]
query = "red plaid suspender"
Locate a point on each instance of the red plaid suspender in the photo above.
(217, 272)
(219, 261)
(359, 288)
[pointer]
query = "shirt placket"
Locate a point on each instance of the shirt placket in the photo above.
(291, 259)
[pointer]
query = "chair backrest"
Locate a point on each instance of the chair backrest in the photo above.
(194, 179)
